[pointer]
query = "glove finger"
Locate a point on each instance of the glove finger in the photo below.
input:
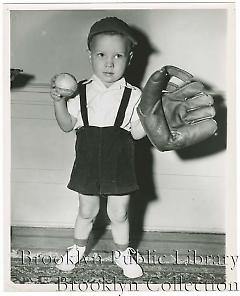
(179, 73)
(171, 87)
(158, 82)
(200, 114)
(198, 132)
(199, 100)
(152, 91)
(186, 91)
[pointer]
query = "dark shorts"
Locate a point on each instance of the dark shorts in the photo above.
(104, 163)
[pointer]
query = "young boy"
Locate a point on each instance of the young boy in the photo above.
(104, 117)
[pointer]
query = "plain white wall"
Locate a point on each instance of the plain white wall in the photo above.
(189, 192)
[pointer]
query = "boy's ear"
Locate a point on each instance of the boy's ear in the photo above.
(130, 57)
(89, 54)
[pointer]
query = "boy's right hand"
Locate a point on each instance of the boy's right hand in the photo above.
(57, 93)
(54, 91)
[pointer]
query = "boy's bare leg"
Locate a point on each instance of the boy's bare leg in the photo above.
(117, 208)
(88, 210)
(118, 214)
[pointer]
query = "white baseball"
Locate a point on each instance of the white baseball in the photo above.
(66, 84)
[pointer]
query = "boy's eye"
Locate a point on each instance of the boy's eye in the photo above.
(100, 54)
(117, 56)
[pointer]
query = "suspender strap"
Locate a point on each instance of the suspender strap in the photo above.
(123, 106)
(83, 102)
(121, 111)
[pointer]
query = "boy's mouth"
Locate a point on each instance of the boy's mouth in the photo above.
(108, 73)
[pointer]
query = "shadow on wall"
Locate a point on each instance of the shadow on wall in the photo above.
(144, 159)
(146, 193)
(143, 148)
(21, 80)
(141, 55)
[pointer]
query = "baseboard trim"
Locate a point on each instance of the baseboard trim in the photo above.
(52, 238)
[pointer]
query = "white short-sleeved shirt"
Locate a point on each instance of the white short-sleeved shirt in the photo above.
(103, 103)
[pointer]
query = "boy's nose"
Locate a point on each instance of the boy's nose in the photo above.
(109, 62)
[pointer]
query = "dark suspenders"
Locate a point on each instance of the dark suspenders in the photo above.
(83, 102)
(121, 111)
(123, 107)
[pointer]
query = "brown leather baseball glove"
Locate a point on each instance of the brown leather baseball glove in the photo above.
(173, 116)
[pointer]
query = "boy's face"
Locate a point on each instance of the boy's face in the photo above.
(109, 56)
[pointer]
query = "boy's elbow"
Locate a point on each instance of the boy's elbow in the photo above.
(67, 130)
(138, 136)
(138, 132)
(65, 126)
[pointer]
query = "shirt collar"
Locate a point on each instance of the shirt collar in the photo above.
(99, 84)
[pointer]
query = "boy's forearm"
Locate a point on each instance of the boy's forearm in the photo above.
(62, 115)
(137, 130)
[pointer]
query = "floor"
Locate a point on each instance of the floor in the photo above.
(166, 257)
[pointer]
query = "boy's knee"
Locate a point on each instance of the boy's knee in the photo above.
(86, 212)
(117, 215)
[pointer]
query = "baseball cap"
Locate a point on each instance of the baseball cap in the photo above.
(111, 24)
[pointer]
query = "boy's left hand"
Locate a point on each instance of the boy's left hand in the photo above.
(176, 117)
